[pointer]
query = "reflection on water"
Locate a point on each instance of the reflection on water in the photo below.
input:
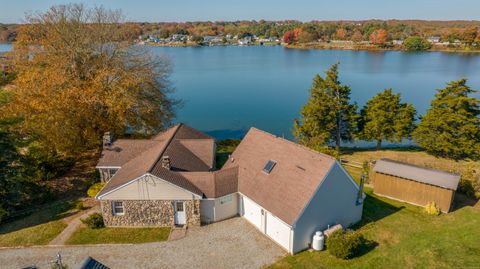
(226, 90)
(234, 88)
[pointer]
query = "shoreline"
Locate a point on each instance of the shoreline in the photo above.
(324, 47)
(313, 46)
(358, 47)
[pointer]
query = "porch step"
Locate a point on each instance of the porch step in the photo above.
(177, 233)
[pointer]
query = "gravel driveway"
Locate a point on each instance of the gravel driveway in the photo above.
(232, 243)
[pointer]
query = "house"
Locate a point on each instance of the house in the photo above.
(247, 40)
(179, 37)
(414, 184)
(285, 190)
(397, 42)
(434, 39)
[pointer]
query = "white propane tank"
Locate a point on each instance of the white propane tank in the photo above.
(318, 241)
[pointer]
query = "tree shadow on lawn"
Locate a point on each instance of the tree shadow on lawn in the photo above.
(365, 247)
(375, 209)
(350, 151)
(55, 211)
(461, 200)
(67, 189)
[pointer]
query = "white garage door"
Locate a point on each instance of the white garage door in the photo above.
(278, 231)
(252, 212)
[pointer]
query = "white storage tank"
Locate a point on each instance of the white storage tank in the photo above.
(318, 241)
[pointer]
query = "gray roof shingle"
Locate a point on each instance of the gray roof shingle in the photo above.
(417, 173)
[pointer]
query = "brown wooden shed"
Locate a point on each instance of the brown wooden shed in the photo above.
(414, 184)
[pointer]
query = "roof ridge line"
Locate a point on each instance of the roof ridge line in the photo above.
(420, 166)
(295, 144)
(165, 148)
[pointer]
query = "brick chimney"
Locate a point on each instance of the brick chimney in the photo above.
(166, 162)
(107, 140)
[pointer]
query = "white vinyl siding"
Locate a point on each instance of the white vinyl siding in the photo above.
(149, 188)
(335, 202)
(218, 209)
(226, 207)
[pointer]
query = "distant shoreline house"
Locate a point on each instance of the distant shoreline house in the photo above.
(414, 184)
(285, 190)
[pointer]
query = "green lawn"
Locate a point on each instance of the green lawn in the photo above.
(38, 228)
(403, 236)
(468, 168)
(37, 235)
(86, 235)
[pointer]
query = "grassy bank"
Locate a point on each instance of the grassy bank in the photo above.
(354, 46)
(468, 169)
(85, 235)
(38, 228)
(403, 236)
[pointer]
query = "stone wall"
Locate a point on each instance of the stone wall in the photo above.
(147, 213)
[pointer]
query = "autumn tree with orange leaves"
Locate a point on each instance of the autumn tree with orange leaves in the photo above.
(77, 78)
(379, 37)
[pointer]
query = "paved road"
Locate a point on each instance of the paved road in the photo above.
(232, 243)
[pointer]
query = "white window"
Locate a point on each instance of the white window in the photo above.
(226, 199)
(117, 208)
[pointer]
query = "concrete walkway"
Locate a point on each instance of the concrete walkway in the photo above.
(73, 223)
(177, 233)
(232, 243)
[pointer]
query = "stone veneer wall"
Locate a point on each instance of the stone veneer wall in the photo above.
(149, 213)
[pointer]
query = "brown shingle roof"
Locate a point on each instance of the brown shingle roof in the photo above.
(290, 185)
(139, 165)
(215, 184)
(122, 151)
(284, 192)
(184, 145)
(416, 173)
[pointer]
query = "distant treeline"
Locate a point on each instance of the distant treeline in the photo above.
(465, 31)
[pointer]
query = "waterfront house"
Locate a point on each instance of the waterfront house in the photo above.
(287, 191)
(433, 39)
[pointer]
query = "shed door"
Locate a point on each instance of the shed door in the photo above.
(278, 231)
(252, 212)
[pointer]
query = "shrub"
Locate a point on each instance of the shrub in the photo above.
(432, 209)
(79, 205)
(416, 43)
(344, 245)
(94, 221)
(94, 189)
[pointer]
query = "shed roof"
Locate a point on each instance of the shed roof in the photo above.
(417, 173)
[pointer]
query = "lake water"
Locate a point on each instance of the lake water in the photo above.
(226, 90)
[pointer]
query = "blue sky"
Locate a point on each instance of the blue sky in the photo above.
(305, 10)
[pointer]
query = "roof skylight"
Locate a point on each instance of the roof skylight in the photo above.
(269, 166)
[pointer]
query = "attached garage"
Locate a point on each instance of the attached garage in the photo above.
(252, 212)
(266, 222)
(278, 230)
(414, 184)
(288, 192)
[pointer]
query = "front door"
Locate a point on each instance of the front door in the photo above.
(179, 217)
